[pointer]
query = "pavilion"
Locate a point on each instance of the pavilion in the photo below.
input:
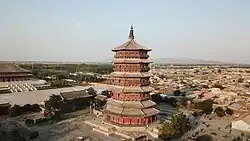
(12, 72)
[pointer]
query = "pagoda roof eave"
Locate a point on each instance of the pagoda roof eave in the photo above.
(131, 104)
(130, 112)
(129, 60)
(12, 68)
(131, 89)
(132, 49)
(132, 75)
(130, 45)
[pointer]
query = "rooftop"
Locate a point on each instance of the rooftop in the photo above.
(247, 119)
(75, 94)
(131, 74)
(131, 111)
(130, 89)
(131, 44)
(131, 104)
(9, 67)
(37, 97)
(101, 97)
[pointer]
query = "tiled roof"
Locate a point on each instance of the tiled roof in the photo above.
(130, 89)
(9, 67)
(131, 104)
(150, 111)
(131, 45)
(74, 94)
(133, 112)
(101, 97)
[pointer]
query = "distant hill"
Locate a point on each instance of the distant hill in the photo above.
(184, 61)
(110, 60)
(178, 61)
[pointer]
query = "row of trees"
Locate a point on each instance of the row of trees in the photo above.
(89, 78)
(207, 108)
(54, 68)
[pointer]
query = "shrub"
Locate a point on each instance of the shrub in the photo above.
(241, 80)
(29, 122)
(219, 112)
(217, 85)
(16, 110)
(207, 106)
(177, 92)
(33, 134)
(197, 113)
(204, 138)
(15, 134)
(21, 139)
(41, 121)
(229, 111)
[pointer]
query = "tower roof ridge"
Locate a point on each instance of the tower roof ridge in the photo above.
(131, 33)
(131, 44)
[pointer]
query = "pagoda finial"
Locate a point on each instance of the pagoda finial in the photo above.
(131, 33)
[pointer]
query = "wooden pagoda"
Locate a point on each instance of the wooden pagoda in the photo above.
(130, 103)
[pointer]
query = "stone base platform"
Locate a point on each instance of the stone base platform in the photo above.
(128, 133)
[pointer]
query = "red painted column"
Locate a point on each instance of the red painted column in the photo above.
(139, 121)
(146, 120)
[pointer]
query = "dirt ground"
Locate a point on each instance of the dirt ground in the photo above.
(218, 128)
(66, 130)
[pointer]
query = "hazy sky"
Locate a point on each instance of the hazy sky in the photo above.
(87, 30)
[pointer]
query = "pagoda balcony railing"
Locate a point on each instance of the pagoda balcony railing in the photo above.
(130, 85)
(130, 99)
(132, 70)
(132, 56)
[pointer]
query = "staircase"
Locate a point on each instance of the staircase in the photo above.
(21, 87)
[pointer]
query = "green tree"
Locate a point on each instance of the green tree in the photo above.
(241, 80)
(219, 70)
(177, 125)
(53, 107)
(91, 91)
(29, 122)
(217, 85)
(220, 112)
(16, 110)
(105, 92)
(207, 106)
(177, 92)
(229, 111)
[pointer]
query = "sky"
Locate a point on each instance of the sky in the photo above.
(87, 30)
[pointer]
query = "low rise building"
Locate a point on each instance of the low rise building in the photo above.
(242, 124)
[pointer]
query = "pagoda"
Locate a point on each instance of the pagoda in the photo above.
(130, 103)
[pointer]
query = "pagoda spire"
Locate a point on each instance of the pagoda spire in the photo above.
(131, 33)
